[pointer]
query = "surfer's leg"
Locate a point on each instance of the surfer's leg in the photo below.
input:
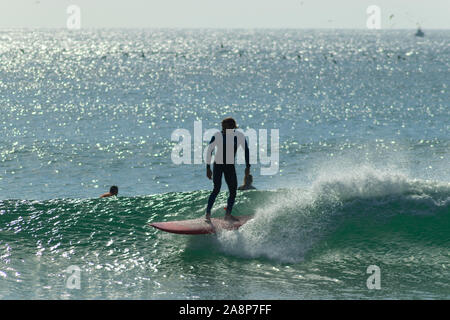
(231, 180)
(217, 179)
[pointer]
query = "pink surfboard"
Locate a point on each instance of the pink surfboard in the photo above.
(200, 226)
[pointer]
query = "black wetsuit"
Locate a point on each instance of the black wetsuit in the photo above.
(229, 171)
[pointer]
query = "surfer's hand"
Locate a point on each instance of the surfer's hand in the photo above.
(208, 173)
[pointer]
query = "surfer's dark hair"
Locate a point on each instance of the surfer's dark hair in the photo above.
(114, 189)
(230, 121)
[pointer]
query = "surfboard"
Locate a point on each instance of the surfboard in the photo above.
(200, 226)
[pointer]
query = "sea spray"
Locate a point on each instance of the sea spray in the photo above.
(293, 221)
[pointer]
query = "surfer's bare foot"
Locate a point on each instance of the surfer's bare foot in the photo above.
(230, 218)
(208, 217)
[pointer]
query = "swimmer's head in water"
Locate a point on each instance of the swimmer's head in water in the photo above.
(114, 190)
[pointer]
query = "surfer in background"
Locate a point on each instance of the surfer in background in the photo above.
(224, 164)
(248, 180)
(113, 191)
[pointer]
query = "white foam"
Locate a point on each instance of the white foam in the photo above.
(287, 227)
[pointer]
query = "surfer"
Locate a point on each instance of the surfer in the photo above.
(234, 139)
(248, 180)
(113, 191)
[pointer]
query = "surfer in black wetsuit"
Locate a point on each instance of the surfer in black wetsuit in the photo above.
(227, 140)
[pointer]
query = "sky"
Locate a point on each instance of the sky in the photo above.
(393, 14)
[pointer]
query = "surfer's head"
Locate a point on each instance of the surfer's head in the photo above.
(114, 190)
(229, 123)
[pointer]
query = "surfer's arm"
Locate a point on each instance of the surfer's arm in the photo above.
(208, 158)
(247, 158)
(209, 152)
(247, 154)
(241, 141)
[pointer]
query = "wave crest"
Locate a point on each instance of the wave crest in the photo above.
(293, 221)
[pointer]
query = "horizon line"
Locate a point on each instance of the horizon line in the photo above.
(218, 28)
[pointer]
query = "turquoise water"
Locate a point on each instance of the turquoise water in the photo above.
(363, 176)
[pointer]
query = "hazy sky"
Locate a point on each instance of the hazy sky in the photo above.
(431, 14)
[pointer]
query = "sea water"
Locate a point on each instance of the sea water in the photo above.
(363, 179)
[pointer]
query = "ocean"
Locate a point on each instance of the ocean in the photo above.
(357, 208)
